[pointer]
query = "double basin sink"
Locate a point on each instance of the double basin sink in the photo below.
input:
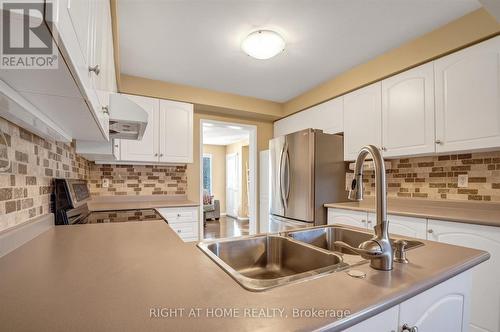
(261, 262)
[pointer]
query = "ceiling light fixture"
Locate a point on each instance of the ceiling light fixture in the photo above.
(263, 44)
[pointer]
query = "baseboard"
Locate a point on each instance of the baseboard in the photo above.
(15, 237)
(224, 214)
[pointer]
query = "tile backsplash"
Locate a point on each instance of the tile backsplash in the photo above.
(28, 164)
(138, 180)
(436, 177)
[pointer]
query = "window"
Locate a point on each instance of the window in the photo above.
(207, 173)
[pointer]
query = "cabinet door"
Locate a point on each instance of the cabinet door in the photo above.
(386, 321)
(176, 132)
(467, 98)
(485, 296)
(328, 116)
(102, 52)
(146, 149)
(408, 112)
(407, 226)
(80, 15)
(362, 119)
(347, 217)
(441, 308)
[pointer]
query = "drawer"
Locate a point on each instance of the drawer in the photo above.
(186, 231)
(179, 215)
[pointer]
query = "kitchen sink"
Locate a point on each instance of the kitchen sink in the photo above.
(262, 262)
(324, 237)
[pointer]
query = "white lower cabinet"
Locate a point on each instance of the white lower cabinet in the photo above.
(444, 307)
(398, 225)
(347, 217)
(386, 321)
(485, 295)
(183, 220)
(404, 226)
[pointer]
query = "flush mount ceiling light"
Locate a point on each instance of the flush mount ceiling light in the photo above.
(263, 44)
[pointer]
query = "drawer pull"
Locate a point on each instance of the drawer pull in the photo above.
(179, 231)
(430, 231)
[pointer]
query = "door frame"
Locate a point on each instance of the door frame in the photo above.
(252, 165)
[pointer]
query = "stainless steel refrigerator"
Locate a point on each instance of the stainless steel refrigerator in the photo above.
(307, 171)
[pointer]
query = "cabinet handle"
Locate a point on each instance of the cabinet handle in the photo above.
(363, 221)
(161, 154)
(178, 215)
(105, 110)
(439, 141)
(178, 231)
(430, 231)
(407, 328)
(156, 154)
(384, 148)
(95, 69)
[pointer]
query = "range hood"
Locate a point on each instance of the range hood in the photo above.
(127, 120)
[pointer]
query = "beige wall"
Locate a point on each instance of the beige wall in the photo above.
(264, 134)
(218, 153)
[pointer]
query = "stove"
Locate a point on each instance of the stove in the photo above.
(70, 206)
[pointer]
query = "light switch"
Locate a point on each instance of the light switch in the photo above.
(463, 181)
(348, 180)
(105, 183)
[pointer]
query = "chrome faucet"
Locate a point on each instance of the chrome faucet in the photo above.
(378, 250)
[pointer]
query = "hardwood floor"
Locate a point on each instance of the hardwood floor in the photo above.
(226, 227)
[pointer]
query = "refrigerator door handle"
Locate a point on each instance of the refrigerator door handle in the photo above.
(281, 178)
(287, 162)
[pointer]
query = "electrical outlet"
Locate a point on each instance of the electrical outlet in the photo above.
(105, 183)
(463, 181)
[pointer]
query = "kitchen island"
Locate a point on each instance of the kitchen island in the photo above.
(141, 277)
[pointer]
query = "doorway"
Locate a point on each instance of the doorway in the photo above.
(228, 155)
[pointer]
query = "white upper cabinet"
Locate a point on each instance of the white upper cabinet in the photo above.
(362, 119)
(169, 134)
(176, 128)
(467, 98)
(328, 116)
(408, 112)
(146, 149)
(103, 53)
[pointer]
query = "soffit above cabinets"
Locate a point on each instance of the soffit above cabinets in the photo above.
(197, 43)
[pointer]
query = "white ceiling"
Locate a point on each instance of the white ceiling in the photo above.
(198, 42)
(220, 134)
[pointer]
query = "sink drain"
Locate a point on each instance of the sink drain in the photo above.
(356, 274)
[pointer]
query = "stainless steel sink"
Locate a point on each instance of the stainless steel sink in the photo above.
(265, 261)
(324, 237)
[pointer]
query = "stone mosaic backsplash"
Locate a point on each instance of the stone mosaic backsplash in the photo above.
(436, 177)
(138, 180)
(28, 164)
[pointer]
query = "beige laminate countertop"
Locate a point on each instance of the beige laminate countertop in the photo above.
(107, 277)
(466, 212)
(110, 203)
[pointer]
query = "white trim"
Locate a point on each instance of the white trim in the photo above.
(252, 164)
